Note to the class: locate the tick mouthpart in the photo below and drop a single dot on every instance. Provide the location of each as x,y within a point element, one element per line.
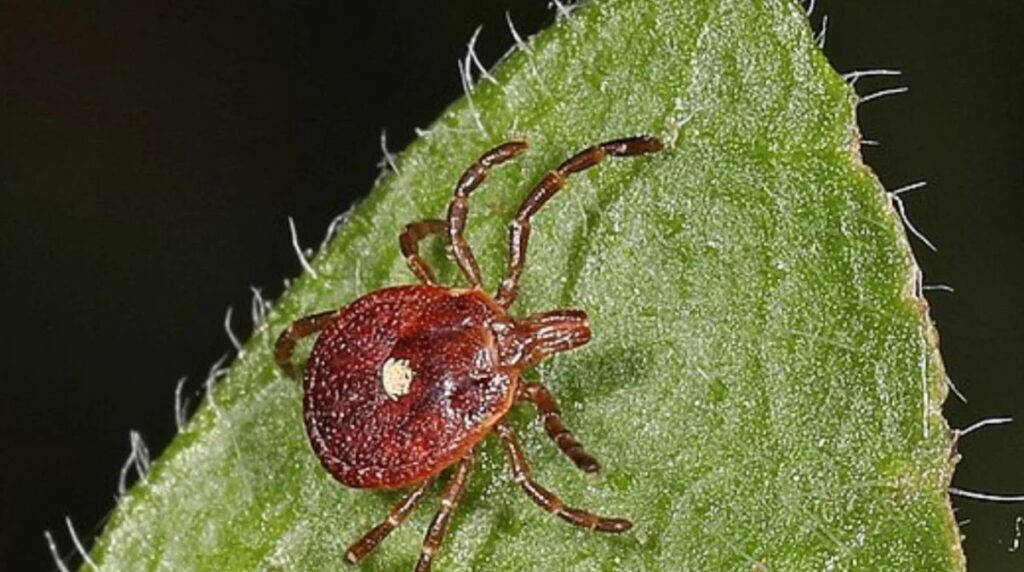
<point>564,330</point>
<point>542,335</point>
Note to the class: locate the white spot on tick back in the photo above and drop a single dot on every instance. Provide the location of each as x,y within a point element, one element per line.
<point>396,377</point>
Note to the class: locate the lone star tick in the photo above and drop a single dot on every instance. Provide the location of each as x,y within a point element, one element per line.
<point>406,381</point>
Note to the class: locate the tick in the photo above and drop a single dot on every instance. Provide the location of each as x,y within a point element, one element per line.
<point>404,382</point>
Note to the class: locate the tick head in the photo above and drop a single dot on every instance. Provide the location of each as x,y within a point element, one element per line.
<point>531,340</point>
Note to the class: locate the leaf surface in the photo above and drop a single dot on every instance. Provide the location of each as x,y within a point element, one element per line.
<point>763,387</point>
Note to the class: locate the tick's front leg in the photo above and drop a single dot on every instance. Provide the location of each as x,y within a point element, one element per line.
<point>546,499</point>
<point>555,427</point>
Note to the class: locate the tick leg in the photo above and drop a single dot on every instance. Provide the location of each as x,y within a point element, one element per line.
<point>396,516</point>
<point>409,241</point>
<point>292,334</point>
<point>546,499</point>
<point>554,181</point>
<point>458,208</point>
<point>449,501</point>
<point>552,416</point>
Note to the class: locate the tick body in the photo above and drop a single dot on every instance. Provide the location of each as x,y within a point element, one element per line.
<point>404,382</point>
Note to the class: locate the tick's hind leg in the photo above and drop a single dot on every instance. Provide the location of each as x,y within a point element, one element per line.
<point>292,334</point>
<point>409,241</point>
<point>396,516</point>
<point>449,501</point>
<point>458,208</point>
<point>519,230</point>
<point>546,499</point>
<point>552,417</point>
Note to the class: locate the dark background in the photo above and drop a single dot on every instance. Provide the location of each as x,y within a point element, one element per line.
<point>151,155</point>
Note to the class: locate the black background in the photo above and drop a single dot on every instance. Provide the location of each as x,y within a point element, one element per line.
<point>152,154</point>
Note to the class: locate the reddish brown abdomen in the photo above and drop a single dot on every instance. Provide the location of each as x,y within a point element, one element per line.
<point>367,435</point>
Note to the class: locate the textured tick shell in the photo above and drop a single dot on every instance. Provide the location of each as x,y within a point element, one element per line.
<point>368,438</point>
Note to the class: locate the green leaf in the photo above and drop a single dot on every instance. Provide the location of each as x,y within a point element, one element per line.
<point>763,386</point>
